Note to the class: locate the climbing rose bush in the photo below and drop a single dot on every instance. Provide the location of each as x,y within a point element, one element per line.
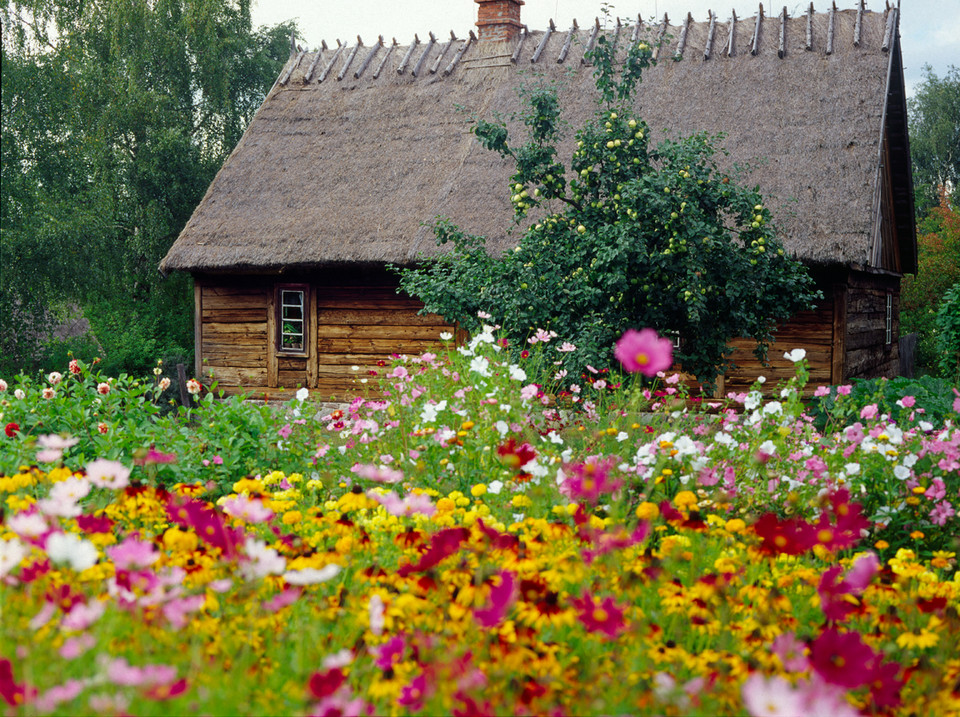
<point>454,541</point>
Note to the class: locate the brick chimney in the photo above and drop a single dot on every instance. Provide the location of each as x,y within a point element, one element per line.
<point>498,20</point>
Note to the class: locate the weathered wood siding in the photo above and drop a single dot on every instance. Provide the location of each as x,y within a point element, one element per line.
<point>867,352</point>
<point>233,333</point>
<point>353,327</point>
<point>810,330</point>
<point>361,326</point>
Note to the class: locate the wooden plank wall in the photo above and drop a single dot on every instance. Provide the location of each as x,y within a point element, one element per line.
<point>810,330</point>
<point>867,353</point>
<point>358,323</point>
<point>361,326</point>
<point>233,334</point>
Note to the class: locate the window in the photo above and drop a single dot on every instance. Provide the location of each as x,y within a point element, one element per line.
<point>292,327</point>
<point>889,324</point>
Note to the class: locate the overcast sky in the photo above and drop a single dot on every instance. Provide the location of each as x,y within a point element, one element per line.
<point>930,29</point>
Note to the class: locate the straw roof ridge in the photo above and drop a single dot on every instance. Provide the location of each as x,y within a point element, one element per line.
<point>357,148</point>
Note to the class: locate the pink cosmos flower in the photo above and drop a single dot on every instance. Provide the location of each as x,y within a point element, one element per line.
<point>822,391</point>
<point>378,474</point>
<point>869,411</point>
<point>389,652</point>
<point>590,481</point>
<point>942,512</point>
<point>252,510</point>
<point>123,674</point>
<point>502,596</point>
<point>51,699</point>
<point>772,697</point>
<point>83,615</point>
<point>566,347</point>
<point>376,611</point>
<point>153,456</point>
<point>104,473</point>
<point>790,650</point>
<point>133,553</point>
<point>282,599</point>
<point>413,695</point>
<point>844,390</point>
<point>176,610</point>
<point>644,352</point>
<point>73,647</point>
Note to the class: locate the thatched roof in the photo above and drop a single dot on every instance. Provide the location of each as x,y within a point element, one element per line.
<point>337,168</point>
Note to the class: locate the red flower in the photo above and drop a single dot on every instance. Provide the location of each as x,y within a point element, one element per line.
<point>14,694</point>
<point>167,692</point>
<point>93,524</point>
<point>323,684</point>
<point>442,545</point>
<point>842,658</point>
<point>515,456</point>
<point>502,596</point>
<point>790,536</point>
<point>11,429</point>
<point>605,617</point>
<point>839,527</point>
<point>207,523</point>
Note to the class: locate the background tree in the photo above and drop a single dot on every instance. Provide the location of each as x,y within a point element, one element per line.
<point>116,115</point>
<point>938,268</point>
<point>627,236</point>
<point>934,118</point>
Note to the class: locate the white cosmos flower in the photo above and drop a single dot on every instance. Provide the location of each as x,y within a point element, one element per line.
<point>495,487</point>
<point>303,394</point>
<point>795,355</point>
<point>480,365</point>
<point>752,400</point>
<point>11,553</point>
<point>445,336</point>
<point>517,373</point>
<point>311,576</point>
<point>70,549</point>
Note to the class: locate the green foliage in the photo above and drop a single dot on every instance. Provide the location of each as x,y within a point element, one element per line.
<point>934,116</point>
<point>626,235</point>
<point>116,114</point>
<point>938,268</point>
<point>948,340</point>
<point>933,401</point>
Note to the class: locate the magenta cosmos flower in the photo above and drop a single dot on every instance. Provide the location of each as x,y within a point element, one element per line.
<point>644,352</point>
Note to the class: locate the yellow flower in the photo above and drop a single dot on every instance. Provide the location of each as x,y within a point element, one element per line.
<point>917,535</point>
<point>248,485</point>
<point>292,517</point>
<point>920,639</point>
<point>478,490</point>
<point>881,545</point>
<point>521,501</point>
<point>735,525</point>
<point>647,511</point>
<point>445,505</point>
<point>685,499</point>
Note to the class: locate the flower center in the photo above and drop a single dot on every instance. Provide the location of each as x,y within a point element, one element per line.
<point>642,359</point>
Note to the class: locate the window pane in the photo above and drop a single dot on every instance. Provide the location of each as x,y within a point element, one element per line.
<point>292,298</point>
<point>292,312</point>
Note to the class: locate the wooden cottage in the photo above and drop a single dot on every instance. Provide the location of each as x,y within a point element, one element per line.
<point>357,147</point>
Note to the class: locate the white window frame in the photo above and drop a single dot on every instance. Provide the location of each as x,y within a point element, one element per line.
<point>283,321</point>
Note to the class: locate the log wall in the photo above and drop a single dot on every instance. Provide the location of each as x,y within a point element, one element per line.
<point>867,353</point>
<point>354,326</point>
<point>810,330</point>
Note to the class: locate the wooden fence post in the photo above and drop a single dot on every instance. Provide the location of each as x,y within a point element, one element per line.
<point>182,378</point>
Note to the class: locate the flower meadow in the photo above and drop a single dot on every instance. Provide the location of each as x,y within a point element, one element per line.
<point>477,533</point>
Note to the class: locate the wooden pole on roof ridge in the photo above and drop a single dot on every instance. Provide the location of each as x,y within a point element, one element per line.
<point>858,26</point>
<point>711,33</point>
<point>831,24</point>
<point>286,75</point>
<point>369,58</point>
<point>326,70</point>
<point>353,54</point>
<point>888,33</point>
<point>543,41</point>
<point>386,57</point>
<point>591,42</point>
<point>409,53</point>
<point>636,30</point>
<point>471,38</point>
<point>313,65</point>
<point>809,44</point>
<point>660,34</point>
<point>416,68</point>
<point>733,31</point>
<point>443,51</point>
<point>755,43</point>
<point>782,50</point>
<point>566,45</point>
<point>516,53</point>
<point>682,43</point>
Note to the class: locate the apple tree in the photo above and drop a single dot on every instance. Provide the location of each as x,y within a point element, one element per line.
<point>625,235</point>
